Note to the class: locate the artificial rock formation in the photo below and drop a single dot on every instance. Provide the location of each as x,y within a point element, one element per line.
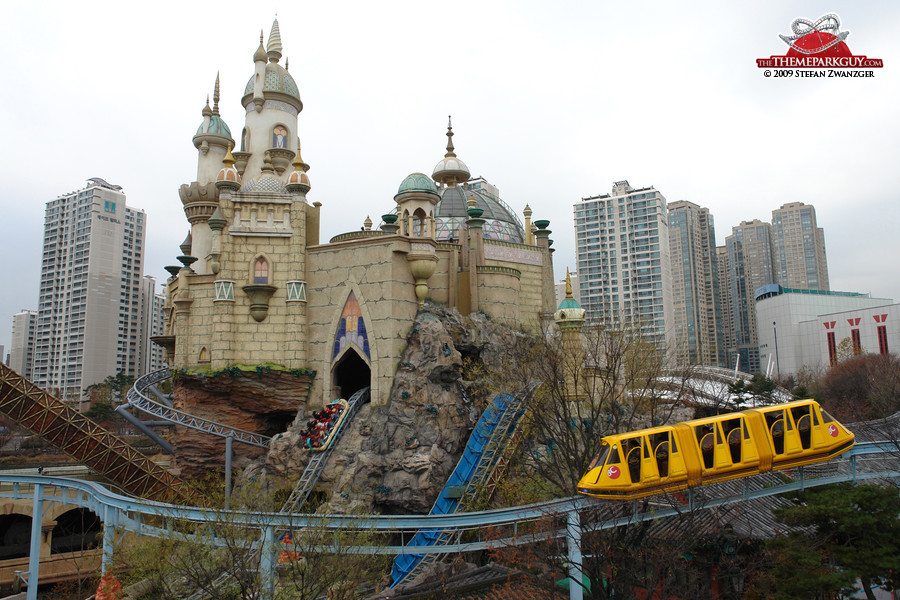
<point>264,401</point>
<point>396,458</point>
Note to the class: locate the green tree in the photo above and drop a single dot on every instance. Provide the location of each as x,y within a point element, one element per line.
<point>855,528</point>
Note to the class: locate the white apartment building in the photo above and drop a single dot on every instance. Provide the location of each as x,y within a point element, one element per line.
<point>624,270</point>
<point>88,322</point>
<point>21,354</point>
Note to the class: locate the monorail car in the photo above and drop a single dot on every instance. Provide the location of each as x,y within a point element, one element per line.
<point>674,457</point>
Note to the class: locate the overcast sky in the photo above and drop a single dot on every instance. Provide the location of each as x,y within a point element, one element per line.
<point>551,102</point>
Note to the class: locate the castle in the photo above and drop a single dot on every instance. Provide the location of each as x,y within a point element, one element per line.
<point>258,287</point>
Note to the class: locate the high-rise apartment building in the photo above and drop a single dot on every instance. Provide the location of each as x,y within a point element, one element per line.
<point>21,355</point>
<point>750,252</point>
<point>622,247</point>
<point>151,357</point>
<point>726,333</point>
<point>695,285</point>
<point>88,323</point>
<point>799,245</point>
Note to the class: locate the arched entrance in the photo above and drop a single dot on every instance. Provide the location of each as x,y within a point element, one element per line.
<point>76,530</point>
<point>350,374</point>
<point>15,535</point>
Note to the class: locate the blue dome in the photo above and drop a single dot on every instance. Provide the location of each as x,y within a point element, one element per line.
<point>417,182</point>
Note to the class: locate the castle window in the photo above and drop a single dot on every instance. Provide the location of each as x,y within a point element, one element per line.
<point>204,355</point>
<point>296,291</point>
<point>245,140</point>
<point>279,137</point>
<point>261,270</point>
<point>224,291</point>
<point>420,226</point>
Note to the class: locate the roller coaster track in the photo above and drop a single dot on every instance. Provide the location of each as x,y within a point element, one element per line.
<point>79,437</point>
<point>470,481</point>
<point>867,461</point>
<point>139,399</point>
<point>317,463</point>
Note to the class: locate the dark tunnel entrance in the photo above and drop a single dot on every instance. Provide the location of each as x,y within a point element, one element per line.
<point>351,375</point>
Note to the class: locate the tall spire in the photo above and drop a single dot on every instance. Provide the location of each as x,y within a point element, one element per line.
<point>273,49</point>
<point>568,285</point>
<point>215,109</point>
<point>450,170</point>
<point>450,148</point>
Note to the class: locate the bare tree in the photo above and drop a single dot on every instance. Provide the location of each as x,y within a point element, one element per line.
<point>607,381</point>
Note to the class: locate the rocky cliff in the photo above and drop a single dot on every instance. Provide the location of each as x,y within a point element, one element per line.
<point>396,458</point>
<point>260,400</point>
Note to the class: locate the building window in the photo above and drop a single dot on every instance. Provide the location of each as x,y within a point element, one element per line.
<point>261,270</point>
<point>296,291</point>
<point>204,355</point>
<point>882,339</point>
<point>832,349</point>
<point>857,345</point>
<point>279,137</point>
<point>224,291</point>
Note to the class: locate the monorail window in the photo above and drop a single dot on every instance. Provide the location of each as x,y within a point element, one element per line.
<point>600,460</point>
<point>613,456</point>
<point>826,418</point>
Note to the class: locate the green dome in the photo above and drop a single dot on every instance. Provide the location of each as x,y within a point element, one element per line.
<point>569,303</point>
<point>417,182</point>
<point>217,126</point>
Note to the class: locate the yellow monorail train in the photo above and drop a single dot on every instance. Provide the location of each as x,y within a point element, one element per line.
<point>674,457</point>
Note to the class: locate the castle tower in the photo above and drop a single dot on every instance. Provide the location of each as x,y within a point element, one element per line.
<point>199,198</point>
<point>570,319</point>
<point>272,103</point>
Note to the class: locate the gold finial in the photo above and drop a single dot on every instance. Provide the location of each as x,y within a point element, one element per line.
<point>450,151</point>
<point>527,211</point>
<point>568,285</point>
<point>287,64</point>
<point>298,163</point>
<point>229,158</point>
<point>471,201</point>
<point>367,224</point>
<point>215,96</point>
<point>207,111</point>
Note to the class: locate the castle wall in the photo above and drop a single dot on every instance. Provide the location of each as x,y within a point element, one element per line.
<point>377,272</point>
<point>225,326</point>
<point>529,261</point>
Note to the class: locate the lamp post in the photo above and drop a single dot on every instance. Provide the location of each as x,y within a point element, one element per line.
<point>777,366</point>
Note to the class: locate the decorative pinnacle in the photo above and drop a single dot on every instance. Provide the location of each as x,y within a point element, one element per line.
<point>260,54</point>
<point>569,285</point>
<point>229,158</point>
<point>207,111</point>
<point>450,151</point>
<point>298,163</point>
<point>287,64</point>
<point>274,47</point>
<point>215,96</point>
<point>527,211</point>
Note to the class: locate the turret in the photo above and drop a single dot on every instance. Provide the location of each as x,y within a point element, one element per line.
<point>272,103</point>
<point>200,198</point>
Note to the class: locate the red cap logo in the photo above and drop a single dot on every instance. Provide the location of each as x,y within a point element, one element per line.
<point>832,430</point>
<point>613,472</point>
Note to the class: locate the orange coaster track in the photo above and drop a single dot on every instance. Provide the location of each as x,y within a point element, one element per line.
<point>84,440</point>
